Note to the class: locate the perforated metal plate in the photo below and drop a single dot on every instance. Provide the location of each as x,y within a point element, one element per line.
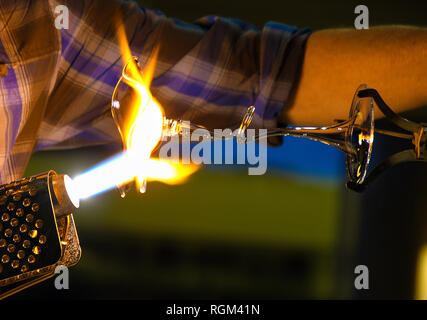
<point>29,238</point>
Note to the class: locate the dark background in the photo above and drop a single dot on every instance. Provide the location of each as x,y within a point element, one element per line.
<point>292,233</point>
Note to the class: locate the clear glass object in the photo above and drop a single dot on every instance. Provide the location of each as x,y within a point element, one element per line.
<point>359,137</point>
<point>354,136</point>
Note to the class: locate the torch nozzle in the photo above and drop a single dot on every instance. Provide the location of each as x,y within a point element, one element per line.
<point>65,201</point>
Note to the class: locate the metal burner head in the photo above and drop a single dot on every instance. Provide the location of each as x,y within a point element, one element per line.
<point>37,231</point>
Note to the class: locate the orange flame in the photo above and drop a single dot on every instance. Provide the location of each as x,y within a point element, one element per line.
<point>144,123</point>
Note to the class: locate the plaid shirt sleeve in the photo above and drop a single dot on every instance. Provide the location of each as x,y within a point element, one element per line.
<point>60,82</point>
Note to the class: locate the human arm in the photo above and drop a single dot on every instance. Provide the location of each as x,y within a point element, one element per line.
<point>391,59</point>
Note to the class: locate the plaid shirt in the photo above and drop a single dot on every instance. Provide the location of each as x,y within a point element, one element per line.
<point>56,85</point>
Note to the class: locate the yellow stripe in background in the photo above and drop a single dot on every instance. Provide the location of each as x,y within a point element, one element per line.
<point>421,276</point>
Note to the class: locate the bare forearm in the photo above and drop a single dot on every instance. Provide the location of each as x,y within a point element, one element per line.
<point>392,60</point>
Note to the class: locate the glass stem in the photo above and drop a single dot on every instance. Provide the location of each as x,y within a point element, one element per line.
<point>330,135</point>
